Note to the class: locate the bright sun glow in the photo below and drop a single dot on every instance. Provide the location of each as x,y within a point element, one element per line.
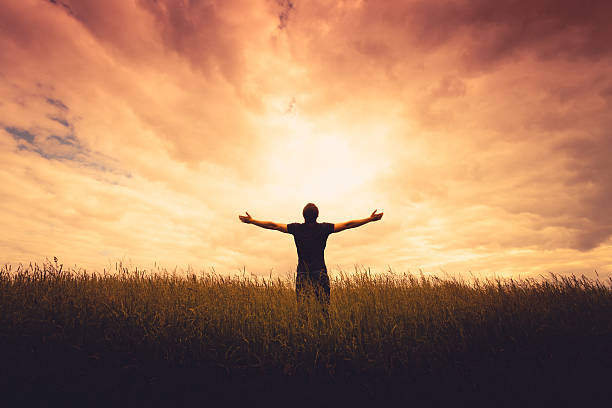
<point>316,167</point>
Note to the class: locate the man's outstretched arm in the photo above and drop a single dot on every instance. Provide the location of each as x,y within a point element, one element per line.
<point>247,219</point>
<point>357,223</point>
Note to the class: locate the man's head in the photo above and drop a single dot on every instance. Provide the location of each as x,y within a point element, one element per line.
<point>310,212</point>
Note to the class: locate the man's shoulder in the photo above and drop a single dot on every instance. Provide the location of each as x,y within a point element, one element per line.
<point>293,227</point>
<point>327,227</point>
<point>302,226</point>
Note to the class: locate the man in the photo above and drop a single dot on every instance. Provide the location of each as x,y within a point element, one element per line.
<point>310,240</point>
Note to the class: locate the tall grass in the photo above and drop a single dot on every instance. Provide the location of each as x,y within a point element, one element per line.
<point>400,336</point>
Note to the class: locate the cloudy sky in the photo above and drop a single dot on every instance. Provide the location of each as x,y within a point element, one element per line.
<point>138,130</point>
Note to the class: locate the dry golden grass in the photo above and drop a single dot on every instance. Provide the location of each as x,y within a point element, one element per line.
<point>402,336</point>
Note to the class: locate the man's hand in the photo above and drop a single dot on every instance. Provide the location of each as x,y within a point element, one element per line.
<point>376,217</point>
<point>357,223</point>
<point>247,219</point>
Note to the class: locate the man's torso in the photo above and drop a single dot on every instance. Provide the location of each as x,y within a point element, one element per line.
<point>310,240</point>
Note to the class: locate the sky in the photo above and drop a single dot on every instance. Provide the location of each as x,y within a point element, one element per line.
<point>137,131</point>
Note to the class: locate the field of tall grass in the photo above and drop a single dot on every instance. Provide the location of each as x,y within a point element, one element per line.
<point>172,339</point>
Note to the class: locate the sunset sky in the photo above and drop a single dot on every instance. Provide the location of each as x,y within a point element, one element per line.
<point>140,130</point>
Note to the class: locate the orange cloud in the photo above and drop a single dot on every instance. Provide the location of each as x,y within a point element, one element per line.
<point>139,130</point>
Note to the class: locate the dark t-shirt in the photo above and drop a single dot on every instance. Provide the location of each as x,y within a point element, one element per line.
<point>310,240</point>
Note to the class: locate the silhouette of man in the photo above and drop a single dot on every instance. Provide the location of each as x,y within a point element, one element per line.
<point>310,240</point>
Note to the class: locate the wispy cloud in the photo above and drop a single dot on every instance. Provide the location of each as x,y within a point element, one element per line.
<point>57,103</point>
<point>20,134</point>
<point>141,130</point>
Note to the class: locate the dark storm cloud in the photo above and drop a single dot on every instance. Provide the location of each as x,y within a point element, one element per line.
<point>61,121</point>
<point>65,148</point>
<point>478,34</point>
<point>57,103</point>
<point>20,134</point>
<point>203,31</point>
<point>198,31</point>
<point>590,168</point>
<point>52,147</point>
<point>63,5</point>
<point>283,17</point>
<point>498,29</point>
<point>69,141</point>
<point>449,87</point>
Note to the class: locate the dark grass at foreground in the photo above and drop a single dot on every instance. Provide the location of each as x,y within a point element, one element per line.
<point>163,339</point>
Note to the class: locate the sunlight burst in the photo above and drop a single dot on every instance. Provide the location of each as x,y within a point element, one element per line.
<point>311,167</point>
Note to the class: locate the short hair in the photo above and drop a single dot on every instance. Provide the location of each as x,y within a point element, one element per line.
<point>310,212</point>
